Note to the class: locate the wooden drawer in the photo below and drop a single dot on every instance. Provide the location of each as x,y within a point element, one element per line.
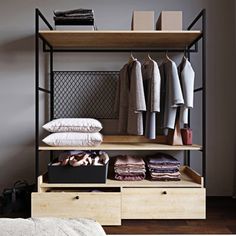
<point>103,207</point>
<point>163,203</point>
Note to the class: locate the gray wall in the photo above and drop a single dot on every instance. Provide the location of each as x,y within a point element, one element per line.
<point>17,78</point>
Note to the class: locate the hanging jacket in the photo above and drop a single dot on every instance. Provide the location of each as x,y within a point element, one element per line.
<point>152,88</point>
<point>130,100</point>
<point>187,77</point>
<point>173,94</point>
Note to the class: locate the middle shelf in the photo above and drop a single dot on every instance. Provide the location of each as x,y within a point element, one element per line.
<point>189,179</point>
<point>127,146</point>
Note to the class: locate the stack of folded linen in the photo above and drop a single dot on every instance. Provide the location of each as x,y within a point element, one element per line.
<point>73,132</point>
<point>78,19</point>
<point>129,168</point>
<point>163,167</point>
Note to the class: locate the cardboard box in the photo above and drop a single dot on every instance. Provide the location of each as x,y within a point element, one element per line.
<point>170,21</point>
<point>143,20</point>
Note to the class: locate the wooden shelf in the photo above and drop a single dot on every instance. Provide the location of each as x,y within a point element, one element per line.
<point>127,146</point>
<point>120,39</point>
<point>189,179</point>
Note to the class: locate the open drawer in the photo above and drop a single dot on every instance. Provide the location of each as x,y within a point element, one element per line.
<point>104,207</point>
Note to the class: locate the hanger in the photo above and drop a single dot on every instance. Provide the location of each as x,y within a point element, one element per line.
<point>147,58</point>
<point>185,53</point>
<point>131,58</point>
<point>166,56</point>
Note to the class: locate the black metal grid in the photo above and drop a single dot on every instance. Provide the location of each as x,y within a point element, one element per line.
<point>85,94</point>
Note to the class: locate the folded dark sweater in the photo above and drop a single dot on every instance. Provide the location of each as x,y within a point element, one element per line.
<point>162,159</point>
<point>165,179</point>
<point>72,21</point>
<point>156,170</point>
<point>72,12</point>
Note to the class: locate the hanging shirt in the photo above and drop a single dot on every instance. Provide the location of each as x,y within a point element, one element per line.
<point>152,87</point>
<point>173,94</point>
<point>130,100</point>
<point>187,77</point>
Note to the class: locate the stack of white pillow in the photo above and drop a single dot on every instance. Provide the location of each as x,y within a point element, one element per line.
<point>73,132</point>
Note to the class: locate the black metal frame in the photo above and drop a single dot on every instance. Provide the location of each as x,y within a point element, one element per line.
<point>49,49</point>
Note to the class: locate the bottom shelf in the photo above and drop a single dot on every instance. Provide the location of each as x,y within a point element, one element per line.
<point>189,179</point>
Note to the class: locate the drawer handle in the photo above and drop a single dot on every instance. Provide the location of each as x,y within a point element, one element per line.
<point>164,192</point>
<point>77,197</point>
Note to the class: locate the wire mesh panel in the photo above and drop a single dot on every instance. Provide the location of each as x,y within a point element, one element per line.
<point>85,94</point>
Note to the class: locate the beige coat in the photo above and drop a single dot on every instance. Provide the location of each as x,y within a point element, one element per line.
<point>130,100</point>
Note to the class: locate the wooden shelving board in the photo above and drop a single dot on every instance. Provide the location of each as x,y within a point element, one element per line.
<point>127,146</point>
<point>189,179</point>
<point>120,39</point>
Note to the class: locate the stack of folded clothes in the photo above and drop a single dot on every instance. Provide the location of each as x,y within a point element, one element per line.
<point>78,19</point>
<point>129,168</point>
<point>163,167</point>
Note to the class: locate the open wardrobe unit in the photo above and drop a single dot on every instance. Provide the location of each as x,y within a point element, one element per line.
<point>116,200</point>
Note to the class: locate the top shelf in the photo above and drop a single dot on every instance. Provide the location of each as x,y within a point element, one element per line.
<point>120,39</point>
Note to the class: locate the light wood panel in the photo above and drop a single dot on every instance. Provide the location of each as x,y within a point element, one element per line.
<point>120,39</point>
<point>133,139</point>
<point>127,146</point>
<point>103,207</point>
<point>163,203</point>
<point>189,179</point>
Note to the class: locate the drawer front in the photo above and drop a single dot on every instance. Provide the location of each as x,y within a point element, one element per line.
<point>163,203</point>
<point>102,207</point>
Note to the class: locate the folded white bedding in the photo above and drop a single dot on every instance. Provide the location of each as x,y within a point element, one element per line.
<point>50,227</point>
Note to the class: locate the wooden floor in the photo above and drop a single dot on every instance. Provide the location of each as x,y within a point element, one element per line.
<point>221,219</point>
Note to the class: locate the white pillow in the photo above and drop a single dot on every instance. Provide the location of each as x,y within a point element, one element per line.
<point>73,139</point>
<point>83,125</point>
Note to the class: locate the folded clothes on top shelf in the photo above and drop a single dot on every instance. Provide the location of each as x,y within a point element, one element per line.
<point>74,17</point>
<point>73,21</point>
<point>79,11</point>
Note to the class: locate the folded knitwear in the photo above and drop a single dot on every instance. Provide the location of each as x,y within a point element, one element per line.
<point>129,168</point>
<point>157,170</point>
<point>73,21</point>
<point>163,167</point>
<point>129,177</point>
<point>165,179</point>
<point>162,159</point>
<point>79,11</point>
<point>177,174</point>
<point>127,160</point>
